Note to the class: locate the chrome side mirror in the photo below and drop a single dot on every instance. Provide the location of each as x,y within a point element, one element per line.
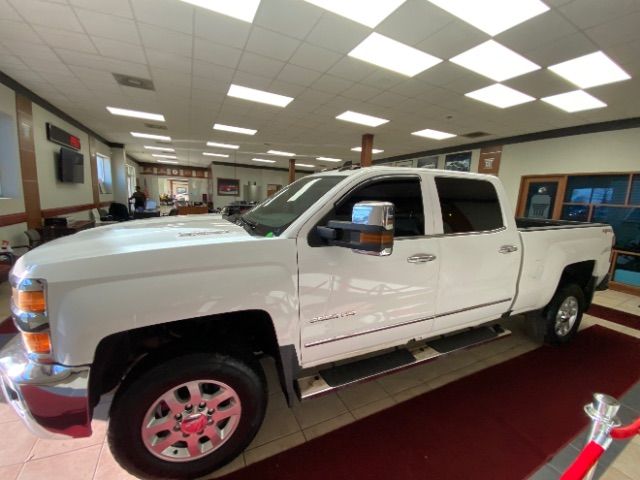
<point>370,231</point>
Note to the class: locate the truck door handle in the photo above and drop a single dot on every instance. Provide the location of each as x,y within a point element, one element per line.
<point>508,249</point>
<point>421,258</point>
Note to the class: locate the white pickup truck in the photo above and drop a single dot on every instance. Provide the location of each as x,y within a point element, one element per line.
<point>376,269</point>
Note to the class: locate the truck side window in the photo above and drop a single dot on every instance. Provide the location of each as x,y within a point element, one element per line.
<point>404,193</point>
<point>468,205</point>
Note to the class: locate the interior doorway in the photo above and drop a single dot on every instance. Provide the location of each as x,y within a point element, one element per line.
<point>541,197</point>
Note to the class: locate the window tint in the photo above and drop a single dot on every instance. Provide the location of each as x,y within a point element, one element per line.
<point>404,193</point>
<point>468,205</point>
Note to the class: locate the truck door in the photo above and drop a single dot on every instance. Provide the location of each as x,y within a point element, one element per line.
<point>479,253</point>
<point>352,303</point>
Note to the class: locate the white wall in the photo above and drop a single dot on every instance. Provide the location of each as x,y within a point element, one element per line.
<point>615,151</point>
<point>10,174</point>
<point>246,175</point>
<point>53,193</point>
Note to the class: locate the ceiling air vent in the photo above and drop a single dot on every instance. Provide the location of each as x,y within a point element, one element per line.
<point>157,127</point>
<point>475,134</point>
<point>135,82</point>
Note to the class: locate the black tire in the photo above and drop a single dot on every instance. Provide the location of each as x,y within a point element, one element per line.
<point>557,331</point>
<point>136,396</point>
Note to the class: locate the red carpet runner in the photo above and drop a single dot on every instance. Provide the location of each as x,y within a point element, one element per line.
<point>498,424</point>
<point>616,316</point>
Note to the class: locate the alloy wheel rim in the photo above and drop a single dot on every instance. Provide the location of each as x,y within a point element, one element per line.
<point>191,420</point>
<point>566,316</point>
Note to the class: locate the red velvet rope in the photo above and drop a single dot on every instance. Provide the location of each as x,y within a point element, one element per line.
<point>581,465</point>
<point>626,431</point>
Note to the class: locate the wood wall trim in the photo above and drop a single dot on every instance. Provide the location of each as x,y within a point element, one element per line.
<point>13,219</point>
<point>28,166</point>
<point>93,159</point>
<point>56,212</point>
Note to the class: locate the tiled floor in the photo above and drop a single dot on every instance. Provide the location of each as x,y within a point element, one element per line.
<point>22,456</point>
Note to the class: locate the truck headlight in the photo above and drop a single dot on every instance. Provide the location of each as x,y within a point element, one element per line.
<point>29,309</point>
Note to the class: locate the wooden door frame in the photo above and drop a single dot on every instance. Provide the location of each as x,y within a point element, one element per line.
<point>524,189</point>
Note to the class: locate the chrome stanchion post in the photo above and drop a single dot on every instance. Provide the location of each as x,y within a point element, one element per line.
<point>602,412</point>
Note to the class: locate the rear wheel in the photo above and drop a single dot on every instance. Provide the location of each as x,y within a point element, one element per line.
<point>187,416</point>
<point>563,314</point>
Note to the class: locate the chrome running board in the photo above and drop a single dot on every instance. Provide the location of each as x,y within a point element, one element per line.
<point>330,379</point>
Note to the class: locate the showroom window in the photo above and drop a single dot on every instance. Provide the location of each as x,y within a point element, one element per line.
<point>612,198</point>
<point>104,173</point>
<point>468,205</point>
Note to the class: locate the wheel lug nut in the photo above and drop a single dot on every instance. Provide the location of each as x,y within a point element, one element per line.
<point>189,407</point>
<point>177,427</point>
<point>178,416</point>
<point>210,411</point>
<point>202,405</point>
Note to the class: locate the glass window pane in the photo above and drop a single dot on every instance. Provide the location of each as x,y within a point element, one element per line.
<point>627,270</point>
<point>625,223</point>
<point>541,199</point>
<point>635,191</point>
<point>597,189</point>
<point>575,213</point>
<point>468,205</point>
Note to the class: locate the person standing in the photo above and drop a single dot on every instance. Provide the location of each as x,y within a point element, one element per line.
<point>139,200</point>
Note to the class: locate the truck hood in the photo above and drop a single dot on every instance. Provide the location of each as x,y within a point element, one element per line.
<point>137,236</point>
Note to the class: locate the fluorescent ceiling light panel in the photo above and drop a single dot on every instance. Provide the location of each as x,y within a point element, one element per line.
<point>123,112</point>
<point>500,96</point>
<point>223,145</point>
<point>493,16</point>
<point>367,12</point>
<point>162,149</point>
<point>373,150</point>
<point>209,154</point>
<point>434,134</point>
<point>230,128</point>
<point>495,61</point>
<point>171,162</point>
<point>244,10</point>
<point>260,96</point>
<point>151,136</point>
<point>398,57</point>
<point>282,154</point>
<point>575,101</point>
<point>161,155</point>
<point>305,165</point>
<point>263,160</point>
<point>590,70</point>
<point>361,118</point>
<point>329,159</point>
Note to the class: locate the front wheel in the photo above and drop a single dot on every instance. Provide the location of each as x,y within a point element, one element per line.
<point>187,416</point>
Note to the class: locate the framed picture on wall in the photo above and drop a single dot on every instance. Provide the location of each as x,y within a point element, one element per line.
<point>229,186</point>
<point>428,162</point>
<point>460,162</point>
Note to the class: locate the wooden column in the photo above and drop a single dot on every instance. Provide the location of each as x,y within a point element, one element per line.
<point>292,170</point>
<point>93,148</point>
<point>367,147</point>
<point>28,167</point>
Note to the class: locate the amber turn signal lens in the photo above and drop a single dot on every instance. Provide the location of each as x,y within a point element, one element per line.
<point>37,342</point>
<point>383,239</point>
<point>30,301</point>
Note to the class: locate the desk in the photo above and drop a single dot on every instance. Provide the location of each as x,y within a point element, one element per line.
<point>56,231</point>
<point>191,209</point>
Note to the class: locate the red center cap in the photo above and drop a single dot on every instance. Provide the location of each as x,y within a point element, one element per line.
<point>194,424</point>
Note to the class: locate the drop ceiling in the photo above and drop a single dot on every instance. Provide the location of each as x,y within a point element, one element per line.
<point>67,50</point>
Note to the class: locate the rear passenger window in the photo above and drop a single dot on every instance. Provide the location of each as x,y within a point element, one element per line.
<point>468,205</point>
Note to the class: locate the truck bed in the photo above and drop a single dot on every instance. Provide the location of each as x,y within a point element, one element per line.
<point>529,224</point>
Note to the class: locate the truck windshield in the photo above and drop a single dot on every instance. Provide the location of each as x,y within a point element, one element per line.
<point>276,213</point>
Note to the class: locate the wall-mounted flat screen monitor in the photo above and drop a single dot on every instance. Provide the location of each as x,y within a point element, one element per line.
<point>70,166</point>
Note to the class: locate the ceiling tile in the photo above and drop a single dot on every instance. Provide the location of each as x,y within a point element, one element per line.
<point>565,48</point>
<point>221,29</point>
<point>456,38</point>
<point>271,44</point>
<point>169,14</point>
<point>619,30</point>
<point>387,99</point>
<point>119,8</point>
<point>260,65</point>
<point>336,33</point>
<point>414,21</point>
<point>383,79</point>
<point>541,83</point>
<point>361,92</point>
<point>536,32</point>
<point>169,61</point>
<point>290,17</point>
<point>166,40</point>
<point>331,84</point>
<point>352,69</point>
<point>17,31</point>
<point>216,53</point>
<point>589,13</point>
<point>121,50</point>
<point>108,26</point>
<point>7,12</point>
<point>29,50</point>
<point>53,15</point>
<point>298,75</point>
<point>314,57</point>
<point>68,40</point>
